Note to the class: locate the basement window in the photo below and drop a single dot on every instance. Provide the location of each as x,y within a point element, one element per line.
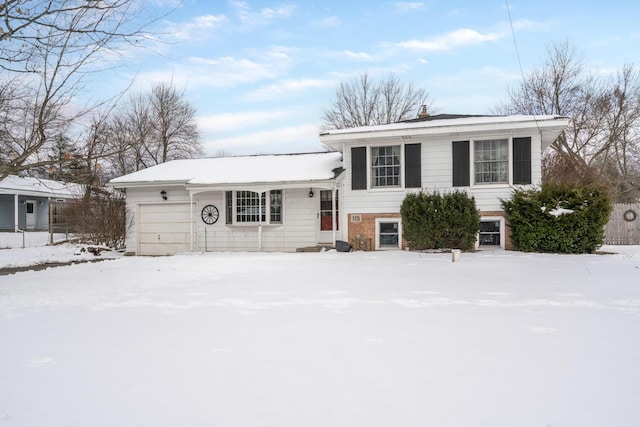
<point>388,233</point>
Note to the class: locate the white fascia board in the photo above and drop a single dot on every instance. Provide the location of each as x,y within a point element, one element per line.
<point>30,193</point>
<point>145,184</point>
<point>199,188</point>
<point>367,134</point>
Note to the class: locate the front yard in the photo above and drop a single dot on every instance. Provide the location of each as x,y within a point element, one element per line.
<point>324,339</point>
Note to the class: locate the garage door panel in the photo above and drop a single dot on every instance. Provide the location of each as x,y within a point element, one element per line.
<point>165,217</point>
<point>160,227</point>
<point>164,229</point>
<point>164,238</point>
<point>163,249</point>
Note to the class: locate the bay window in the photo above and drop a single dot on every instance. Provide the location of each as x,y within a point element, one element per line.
<point>250,207</point>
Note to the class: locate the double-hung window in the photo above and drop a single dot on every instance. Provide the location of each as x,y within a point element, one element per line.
<point>388,166</point>
<point>385,166</point>
<point>247,207</point>
<point>491,161</point>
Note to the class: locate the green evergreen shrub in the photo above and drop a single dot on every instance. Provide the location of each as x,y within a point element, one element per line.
<point>434,221</point>
<point>558,219</point>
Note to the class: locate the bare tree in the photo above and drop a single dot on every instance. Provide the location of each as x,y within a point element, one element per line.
<point>30,29</point>
<point>602,138</point>
<point>50,47</point>
<point>154,127</point>
<point>363,102</point>
<point>174,128</point>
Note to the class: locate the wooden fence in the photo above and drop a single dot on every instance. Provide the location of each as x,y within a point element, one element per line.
<point>623,227</point>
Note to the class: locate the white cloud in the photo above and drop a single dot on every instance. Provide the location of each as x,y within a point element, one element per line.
<point>288,87</point>
<point>403,6</point>
<point>328,22</point>
<point>196,27</point>
<point>349,54</point>
<point>250,16</point>
<point>448,41</point>
<point>301,138</point>
<point>228,122</point>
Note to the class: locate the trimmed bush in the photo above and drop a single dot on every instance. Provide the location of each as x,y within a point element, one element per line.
<point>557,219</point>
<point>433,221</point>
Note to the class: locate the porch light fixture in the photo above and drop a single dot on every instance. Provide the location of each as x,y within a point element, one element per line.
<point>163,194</point>
<point>311,192</point>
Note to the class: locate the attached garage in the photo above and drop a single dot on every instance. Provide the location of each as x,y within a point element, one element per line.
<point>257,203</point>
<point>163,229</point>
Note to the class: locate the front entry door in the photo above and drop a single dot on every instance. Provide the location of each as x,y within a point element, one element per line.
<point>325,233</point>
<point>32,215</point>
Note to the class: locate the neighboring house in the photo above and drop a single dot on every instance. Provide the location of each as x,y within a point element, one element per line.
<point>292,201</point>
<point>24,201</point>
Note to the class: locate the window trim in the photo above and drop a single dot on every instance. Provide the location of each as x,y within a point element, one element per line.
<point>500,219</point>
<point>511,163</point>
<point>472,163</point>
<point>377,235</point>
<point>370,167</point>
<point>233,221</point>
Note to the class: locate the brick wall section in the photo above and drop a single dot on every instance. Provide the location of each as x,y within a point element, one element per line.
<point>362,235</point>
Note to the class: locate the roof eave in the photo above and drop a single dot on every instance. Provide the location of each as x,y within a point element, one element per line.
<point>335,140</point>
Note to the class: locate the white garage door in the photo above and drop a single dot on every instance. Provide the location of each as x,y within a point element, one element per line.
<point>163,229</point>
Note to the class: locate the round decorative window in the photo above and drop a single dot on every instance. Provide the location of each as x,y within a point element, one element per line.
<point>209,214</point>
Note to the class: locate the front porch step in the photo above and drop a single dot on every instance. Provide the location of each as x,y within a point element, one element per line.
<point>316,248</point>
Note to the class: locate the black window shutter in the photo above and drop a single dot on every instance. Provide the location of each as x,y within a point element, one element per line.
<point>460,163</point>
<point>413,167</point>
<point>358,168</point>
<point>522,160</point>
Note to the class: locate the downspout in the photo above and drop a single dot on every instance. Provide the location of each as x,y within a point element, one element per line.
<point>191,220</point>
<point>334,219</point>
<point>50,220</point>
<point>15,213</point>
<point>260,221</point>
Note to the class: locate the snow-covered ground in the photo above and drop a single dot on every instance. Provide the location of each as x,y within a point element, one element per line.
<point>324,339</point>
<point>28,239</point>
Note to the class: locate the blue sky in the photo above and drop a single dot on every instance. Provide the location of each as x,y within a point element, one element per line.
<point>260,72</point>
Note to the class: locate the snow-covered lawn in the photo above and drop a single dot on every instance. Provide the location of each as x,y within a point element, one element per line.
<point>28,239</point>
<point>324,339</point>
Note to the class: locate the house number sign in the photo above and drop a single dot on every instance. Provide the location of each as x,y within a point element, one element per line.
<point>356,218</point>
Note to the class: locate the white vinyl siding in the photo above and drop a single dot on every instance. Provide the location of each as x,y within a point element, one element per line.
<point>437,171</point>
<point>296,229</point>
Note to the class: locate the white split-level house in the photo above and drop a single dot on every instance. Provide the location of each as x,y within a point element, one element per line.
<point>352,193</point>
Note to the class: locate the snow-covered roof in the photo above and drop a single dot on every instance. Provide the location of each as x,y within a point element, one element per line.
<point>29,186</point>
<point>238,170</point>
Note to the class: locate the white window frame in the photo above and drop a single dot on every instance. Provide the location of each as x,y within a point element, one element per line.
<point>377,239</point>
<point>502,231</point>
<point>472,165</point>
<point>370,177</point>
<point>267,209</point>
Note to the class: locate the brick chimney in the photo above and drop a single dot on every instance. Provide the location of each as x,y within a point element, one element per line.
<point>423,112</point>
